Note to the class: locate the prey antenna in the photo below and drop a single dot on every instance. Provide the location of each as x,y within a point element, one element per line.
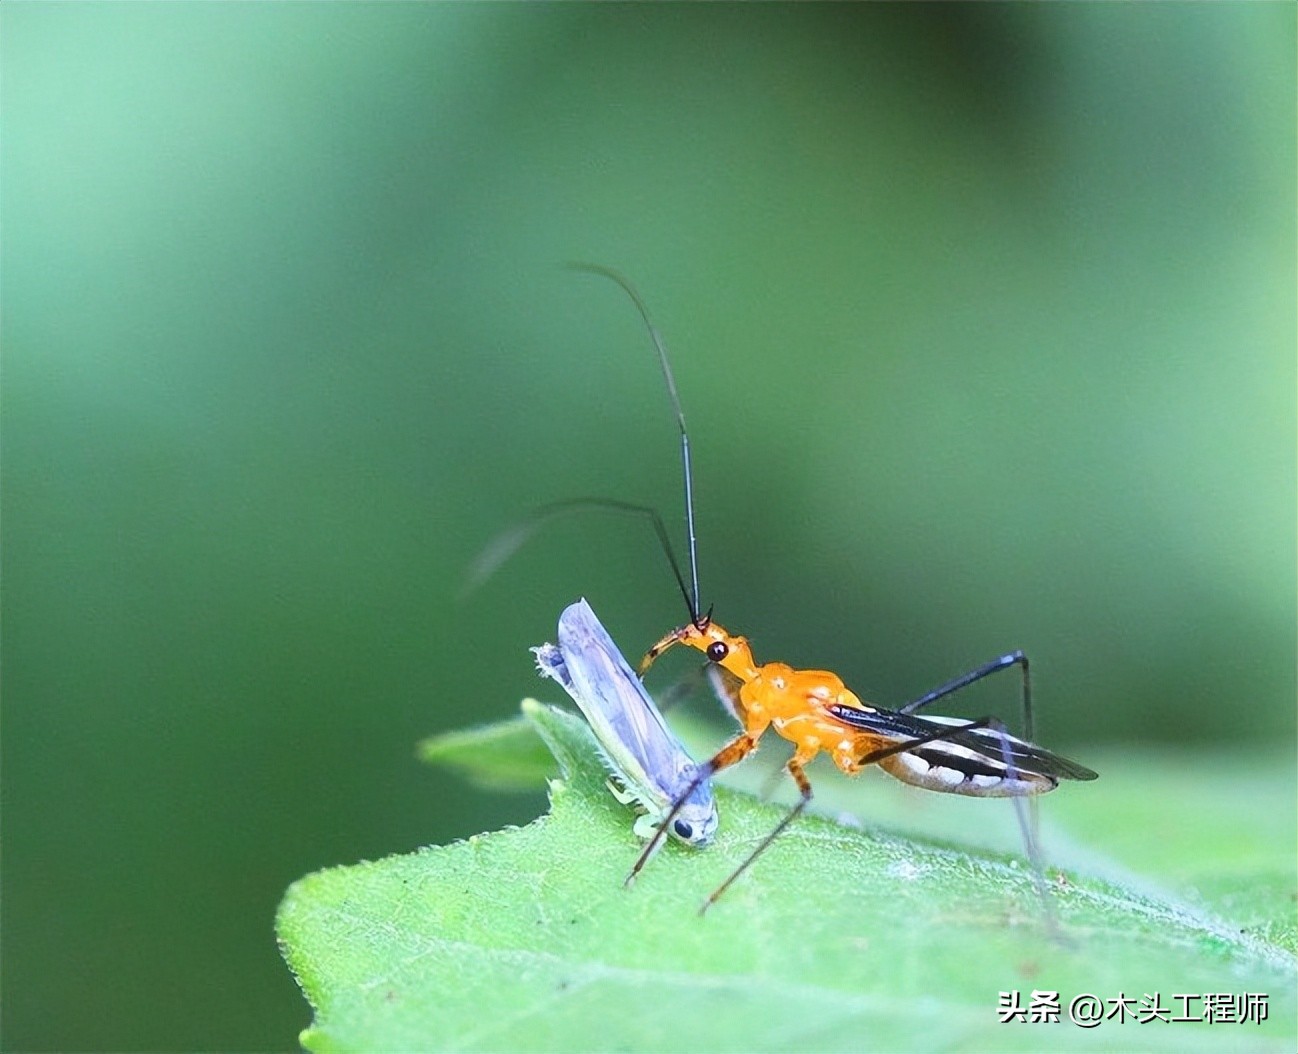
<point>692,602</point>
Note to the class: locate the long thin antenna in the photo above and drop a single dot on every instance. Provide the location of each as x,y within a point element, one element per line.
<point>509,541</point>
<point>686,464</point>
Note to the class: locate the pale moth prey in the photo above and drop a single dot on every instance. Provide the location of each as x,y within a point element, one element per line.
<point>648,766</point>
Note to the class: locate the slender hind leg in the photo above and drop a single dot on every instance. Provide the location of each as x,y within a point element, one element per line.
<point>1030,823</point>
<point>794,768</point>
<point>1027,828</point>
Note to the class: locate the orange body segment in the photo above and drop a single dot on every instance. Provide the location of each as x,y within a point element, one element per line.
<point>795,703</point>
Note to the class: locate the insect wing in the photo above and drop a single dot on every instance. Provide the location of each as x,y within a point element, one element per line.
<point>626,764</point>
<point>631,731</point>
<point>619,708</point>
<point>984,743</point>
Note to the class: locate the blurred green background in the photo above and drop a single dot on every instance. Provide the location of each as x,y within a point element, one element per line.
<point>983,318</point>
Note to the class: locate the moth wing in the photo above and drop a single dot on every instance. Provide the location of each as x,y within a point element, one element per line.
<point>620,711</point>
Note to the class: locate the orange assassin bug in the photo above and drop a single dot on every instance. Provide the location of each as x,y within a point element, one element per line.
<point>815,711</point>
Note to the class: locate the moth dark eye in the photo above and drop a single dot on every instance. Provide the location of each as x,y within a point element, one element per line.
<point>684,829</point>
<point>717,651</point>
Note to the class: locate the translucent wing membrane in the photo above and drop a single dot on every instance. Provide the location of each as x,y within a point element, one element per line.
<point>651,765</point>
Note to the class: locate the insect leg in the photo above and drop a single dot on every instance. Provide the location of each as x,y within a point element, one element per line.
<point>1004,662</point>
<point>732,753</point>
<point>1026,829</point>
<point>723,684</point>
<point>680,690</point>
<point>794,768</point>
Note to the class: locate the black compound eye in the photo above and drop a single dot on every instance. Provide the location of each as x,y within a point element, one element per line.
<point>717,651</point>
<point>684,829</point>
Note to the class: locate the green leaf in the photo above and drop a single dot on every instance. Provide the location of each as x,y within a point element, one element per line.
<point>505,756</point>
<point>839,938</point>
